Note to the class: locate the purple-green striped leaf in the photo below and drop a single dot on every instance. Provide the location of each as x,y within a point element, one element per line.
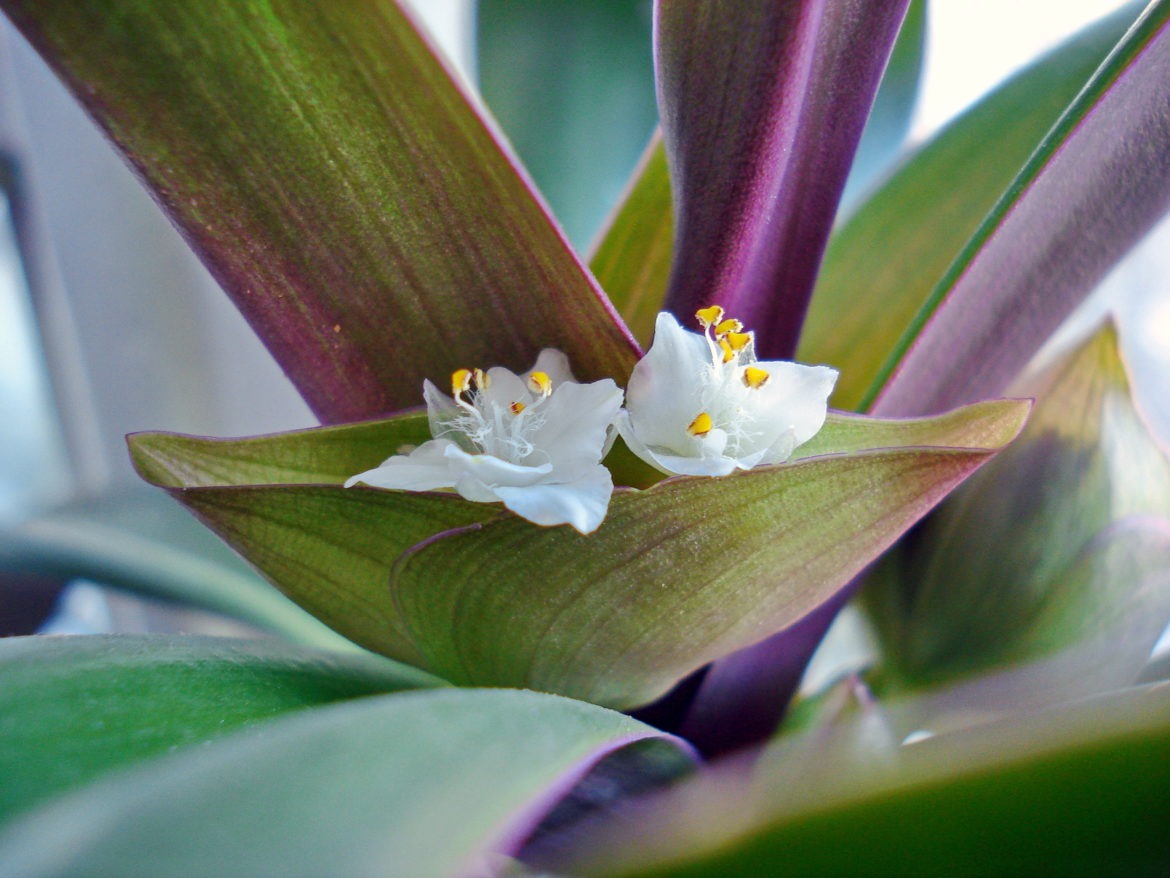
<point>342,189</point>
<point>762,105</point>
<point>1094,186</point>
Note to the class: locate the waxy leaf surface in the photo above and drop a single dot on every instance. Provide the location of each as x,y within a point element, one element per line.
<point>1060,545</point>
<point>1090,191</point>
<point>882,264</point>
<point>73,708</point>
<point>679,574</point>
<point>762,105</point>
<point>1076,791</point>
<point>341,188</point>
<point>441,783</point>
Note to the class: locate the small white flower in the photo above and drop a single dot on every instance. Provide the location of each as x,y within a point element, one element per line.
<point>533,441</point>
<point>701,405</point>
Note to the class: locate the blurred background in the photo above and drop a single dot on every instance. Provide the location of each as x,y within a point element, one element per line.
<point>108,324</point>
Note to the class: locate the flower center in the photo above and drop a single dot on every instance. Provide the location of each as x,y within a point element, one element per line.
<point>729,381</point>
<point>496,425</point>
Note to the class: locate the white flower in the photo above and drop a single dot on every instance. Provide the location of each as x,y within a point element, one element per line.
<point>534,442</point>
<point>701,405</point>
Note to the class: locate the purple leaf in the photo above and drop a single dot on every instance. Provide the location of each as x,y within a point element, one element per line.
<point>340,187</point>
<point>1093,187</point>
<point>762,105</point>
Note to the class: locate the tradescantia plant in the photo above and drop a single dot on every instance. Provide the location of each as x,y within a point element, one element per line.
<point>527,562</point>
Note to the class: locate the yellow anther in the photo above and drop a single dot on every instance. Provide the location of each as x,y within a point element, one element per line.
<point>755,377</point>
<point>729,325</point>
<point>482,381</point>
<point>701,425</point>
<point>516,407</point>
<point>540,383</point>
<point>728,351</point>
<point>461,381</point>
<point>737,341</point>
<point>709,316</point>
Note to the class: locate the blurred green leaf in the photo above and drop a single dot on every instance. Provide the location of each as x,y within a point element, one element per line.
<point>572,85</point>
<point>679,574</point>
<point>1049,547</point>
<point>142,542</point>
<point>893,107</point>
<point>882,265</point>
<point>632,259</point>
<point>1081,791</point>
<point>412,785</point>
<point>339,185</point>
<point>72,708</point>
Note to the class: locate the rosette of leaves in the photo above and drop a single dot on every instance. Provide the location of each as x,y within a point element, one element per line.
<point>366,219</point>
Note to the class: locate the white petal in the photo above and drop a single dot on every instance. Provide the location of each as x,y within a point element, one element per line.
<point>664,394</point>
<point>577,418</point>
<point>554,364</point>
<point>505,388</point>
<point>492,472</point>
<point>582,503</point>
<point>793,405</point>
<point>424,469</point>
<point>441,411</point>
<point>707,459</point>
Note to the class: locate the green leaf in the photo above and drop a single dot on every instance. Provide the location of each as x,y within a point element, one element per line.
<point>1079,791</point>
<point>141,542</point>
<point>339,185</point>
<point>413,785</point>
<point>572,85</point>
<point>73,708</point>
<point>633,256</point>
<point>679,574</point>
<point>1050,547</point>
<point>333,549</point>
<point>882,265</point>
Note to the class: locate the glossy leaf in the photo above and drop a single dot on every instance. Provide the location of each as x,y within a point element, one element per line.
<point>74,708</point>
<point>678,575</point>
<point>572,85</point>
<point>882,264</point>
<point>142,542</point>
<point>1093,188</point>
<point>341,188</point>
<point>1078,791</point>
<point>1047,548</point>
<point>412,785</point>
<point>633,255</point>
<point>762,105</point>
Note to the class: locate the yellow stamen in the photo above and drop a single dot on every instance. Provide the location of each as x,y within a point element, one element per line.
<point>728,351</point>
<point>482,381</point>
<point>729,325</point>
<point>539,382</point>
<point>516,407</point>
<point>737,341</point>
<point>709,316</point>
<point>461,381</point>
<point>755,377</point>
<point>701,425</point>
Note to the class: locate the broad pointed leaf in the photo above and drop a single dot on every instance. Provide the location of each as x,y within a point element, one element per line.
<point>1048,548</point>
<point>1077,791</point>
<point>678,575</point>
<point>633,256</point>
<point>1092,189</point>
<point>73,708</point>
<point>344,192</point>
<point>278,501</point>
<point>415,785</point>
<point>762,105</point>
<point>882,264</point>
